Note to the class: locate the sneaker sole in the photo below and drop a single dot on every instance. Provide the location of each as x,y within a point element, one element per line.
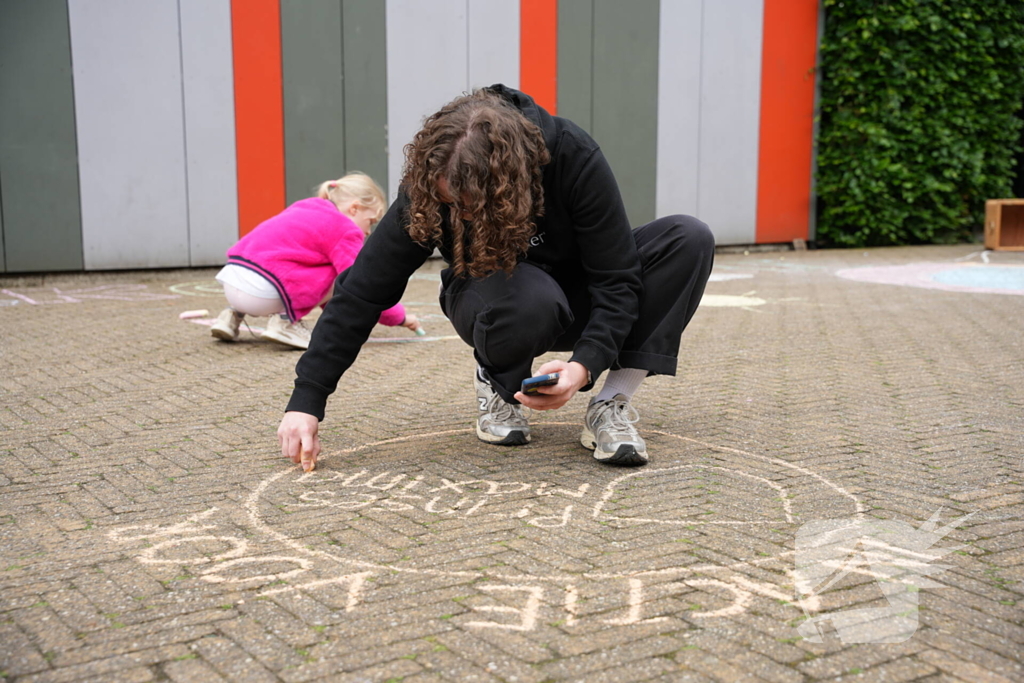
<point>624,456</point>
<point>513,438</point>
<point>284,340</point>
<point>222,334</point>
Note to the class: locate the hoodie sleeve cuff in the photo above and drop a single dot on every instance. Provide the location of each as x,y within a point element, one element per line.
<point>308,399</point>
<point>590,358</point>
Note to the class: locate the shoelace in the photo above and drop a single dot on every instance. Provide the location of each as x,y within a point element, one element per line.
<point>503,411</point>
<point>622,418</point>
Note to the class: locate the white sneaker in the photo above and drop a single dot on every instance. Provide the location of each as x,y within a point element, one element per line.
<point>287,333</point>
<point>608,431</point>
<point>499,423</point>
<point>226,327</point>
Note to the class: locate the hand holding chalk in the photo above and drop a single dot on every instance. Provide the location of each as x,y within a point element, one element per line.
<point>413,323</point>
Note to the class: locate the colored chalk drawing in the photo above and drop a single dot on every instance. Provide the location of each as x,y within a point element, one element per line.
<point>200,288</point>
<point>404,488</point>
<point>256,329</point>
<point>55,295</point>
<point>978,278</point>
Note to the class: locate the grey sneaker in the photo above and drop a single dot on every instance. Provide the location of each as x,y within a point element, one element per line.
<point>608,431</point>
<point>499,423</point>
<point>287,333</point>
<point>226,327</point>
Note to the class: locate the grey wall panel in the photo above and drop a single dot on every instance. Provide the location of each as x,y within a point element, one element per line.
<point>128,102</point>
<point>427,67</point>
<point>38,155</point>
<point>314,108</point>
<point>211,165</point>
<point>730,118</point>
<point>364,44</point>
<point>576,61</point>
<point>493,37</point>
<point>679,48</point>
<point>625,115</point>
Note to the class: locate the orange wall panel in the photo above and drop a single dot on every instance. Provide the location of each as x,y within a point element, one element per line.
<point>538,51</point>
<point>259,110</point>
<point>787,120</point>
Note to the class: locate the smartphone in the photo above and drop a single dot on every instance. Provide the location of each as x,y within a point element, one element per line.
<point>531,385</point>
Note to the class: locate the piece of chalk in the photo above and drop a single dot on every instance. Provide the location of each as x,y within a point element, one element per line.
<point>201,313</point>
<point>420,332</point>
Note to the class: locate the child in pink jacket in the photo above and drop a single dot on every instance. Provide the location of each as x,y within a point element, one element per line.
<point>287,265</point>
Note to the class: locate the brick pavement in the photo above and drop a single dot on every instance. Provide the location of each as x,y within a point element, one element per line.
<point>149,529</point>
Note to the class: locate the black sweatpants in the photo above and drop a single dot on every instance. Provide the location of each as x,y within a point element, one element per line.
<point>511,319</point>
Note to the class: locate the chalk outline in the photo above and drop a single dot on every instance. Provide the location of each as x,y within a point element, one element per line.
<point>609,491</point>
<point>255,518</point>
<point>208,322</point>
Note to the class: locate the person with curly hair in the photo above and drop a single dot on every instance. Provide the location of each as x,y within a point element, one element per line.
<point>526,213</point>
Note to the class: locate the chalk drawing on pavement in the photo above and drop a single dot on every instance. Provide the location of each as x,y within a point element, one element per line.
<point>978,278</point>
<point>55,295</point>
<point>200,288</point>
<point>414,490</point>
<point>256,330</point>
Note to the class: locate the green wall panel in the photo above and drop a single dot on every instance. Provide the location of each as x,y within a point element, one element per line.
<point>3,257</point>
<point>366,95</point>
<point>576,61</point>
<point>39,191</point>
<point>625,110</point>
<point>314,99</point>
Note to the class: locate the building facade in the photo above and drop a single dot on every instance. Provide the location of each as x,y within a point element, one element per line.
<point>153,134</point>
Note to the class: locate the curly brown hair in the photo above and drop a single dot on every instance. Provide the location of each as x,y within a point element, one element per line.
<point>482,158</point>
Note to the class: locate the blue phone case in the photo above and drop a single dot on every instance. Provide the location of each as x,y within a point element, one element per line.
<point>531,384</point>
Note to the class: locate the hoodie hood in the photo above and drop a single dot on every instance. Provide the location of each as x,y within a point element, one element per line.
<point>530,109</point>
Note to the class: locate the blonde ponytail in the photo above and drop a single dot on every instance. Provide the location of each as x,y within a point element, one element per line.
<point>355,185</point>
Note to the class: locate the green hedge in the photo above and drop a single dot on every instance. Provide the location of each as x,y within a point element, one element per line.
<point>918,117</point>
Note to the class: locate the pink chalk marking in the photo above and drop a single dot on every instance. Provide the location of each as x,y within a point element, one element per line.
<point>372,340</point>
<point>23,297</point>
<point>122,292</point>
<point>201,313</point>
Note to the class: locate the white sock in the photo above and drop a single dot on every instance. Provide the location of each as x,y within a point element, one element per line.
<point>624,381</point>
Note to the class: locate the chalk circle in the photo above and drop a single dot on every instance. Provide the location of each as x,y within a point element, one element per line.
<point>216,574</point>
<point>731,301</point>
<point>201,288</point>
<point>431,490</point>
<point>725,277</point>
<point>149,555</point>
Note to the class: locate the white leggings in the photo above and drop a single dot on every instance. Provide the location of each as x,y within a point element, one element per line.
<point>248,304</point>
<point>257,306</point>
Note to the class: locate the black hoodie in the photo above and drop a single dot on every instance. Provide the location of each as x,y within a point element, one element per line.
<point>583,236</point>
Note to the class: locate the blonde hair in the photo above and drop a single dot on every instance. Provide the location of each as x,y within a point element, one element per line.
<point>355,185</point>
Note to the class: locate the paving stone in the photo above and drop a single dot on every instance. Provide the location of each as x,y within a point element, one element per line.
<point>150,530</point>
<point>191,671</point>
<point>231,662</point>
<point>957,667</point>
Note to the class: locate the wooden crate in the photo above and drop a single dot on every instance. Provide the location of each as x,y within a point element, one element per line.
<point>1004,224</point>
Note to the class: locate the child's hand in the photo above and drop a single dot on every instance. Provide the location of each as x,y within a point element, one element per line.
<point>413,323</point>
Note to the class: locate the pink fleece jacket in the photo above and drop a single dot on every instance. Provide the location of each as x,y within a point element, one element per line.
<point>301,251</point>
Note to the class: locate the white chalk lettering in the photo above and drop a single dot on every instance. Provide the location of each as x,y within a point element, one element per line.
<point>527,614</point>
